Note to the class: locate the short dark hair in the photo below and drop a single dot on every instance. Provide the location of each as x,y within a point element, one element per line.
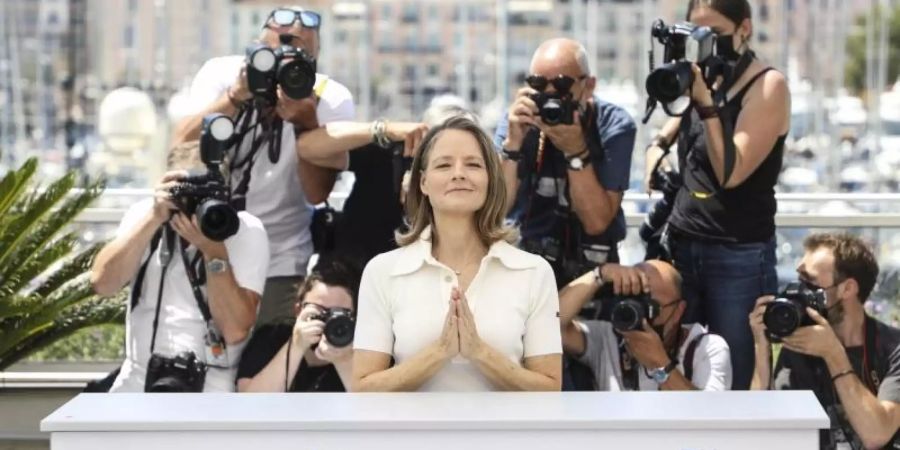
<point>336,271</point>
<point>853,258</point>
<point>735,10</point>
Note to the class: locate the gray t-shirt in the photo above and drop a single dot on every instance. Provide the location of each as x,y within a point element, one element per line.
<point>711,362</point>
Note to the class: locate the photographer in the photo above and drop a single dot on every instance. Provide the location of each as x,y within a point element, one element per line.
<point>722,226</point>
<point>175,340</point>
<point>849,359</point>
<point>315,349</point>
<point>628,351</point>
<point>567,158</point>
<point>268,177</point>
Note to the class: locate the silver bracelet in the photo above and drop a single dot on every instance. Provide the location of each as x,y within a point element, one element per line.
<point>379,133</point>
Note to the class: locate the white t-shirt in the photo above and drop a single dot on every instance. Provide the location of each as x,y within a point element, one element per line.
<point>181,325</point>
<point>711,365</point>
<point>275,195</point>
<point>404,298</point>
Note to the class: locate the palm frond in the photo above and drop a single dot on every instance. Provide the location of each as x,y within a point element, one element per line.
<point>91,313</point>
<point>14,183</point>
<point>40,232</point>
<point>18,277</point>
<point>23,228</point>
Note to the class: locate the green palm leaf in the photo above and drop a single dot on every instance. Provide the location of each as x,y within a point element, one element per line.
<point>44,292</point>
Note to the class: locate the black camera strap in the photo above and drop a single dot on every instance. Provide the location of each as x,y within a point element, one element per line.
<point>169,235</point>
<point>142,271</point>
<point>688,363</point>
<point>196,280</point>
<point>719,100</point>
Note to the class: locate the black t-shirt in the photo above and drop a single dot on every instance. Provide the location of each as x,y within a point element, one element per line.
<point>267,340</point>
<point>795,371</point>
<point>372,211</point>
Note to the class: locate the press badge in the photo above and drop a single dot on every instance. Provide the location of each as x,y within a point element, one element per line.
<point>216,351</point>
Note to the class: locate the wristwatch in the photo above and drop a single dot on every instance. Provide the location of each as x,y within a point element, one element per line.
<point>579,161</point>
<point>661,375</point>
<point>217,265</point>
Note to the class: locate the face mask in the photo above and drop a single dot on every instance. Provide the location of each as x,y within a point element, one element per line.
<point>725,48</point>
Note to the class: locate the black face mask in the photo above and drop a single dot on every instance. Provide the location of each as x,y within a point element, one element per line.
<point>725,48</point>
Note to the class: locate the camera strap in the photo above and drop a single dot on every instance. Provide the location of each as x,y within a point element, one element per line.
<point>169,235</point>
<point>142,271</point>
<point>688,363</point>
<point>719,100</point>
<point>196,280</point>
<point>871,366</point>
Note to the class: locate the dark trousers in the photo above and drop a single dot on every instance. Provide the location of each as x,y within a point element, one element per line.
<point>721,283</point>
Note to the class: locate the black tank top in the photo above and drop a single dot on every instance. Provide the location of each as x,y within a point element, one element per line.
<point>703,210</point>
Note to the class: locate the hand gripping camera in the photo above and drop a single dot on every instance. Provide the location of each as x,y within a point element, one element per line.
<point>684,43</point>
<point>339,326</point>
<point>788,312</point>
<point>206,195</point>
<point>286,66</point>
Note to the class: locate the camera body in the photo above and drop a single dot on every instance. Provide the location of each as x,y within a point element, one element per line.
<point>684,43</point>
<point>180,373</point>
<point>668,182</point>
<point>339,326</point>
<point>555,109</point>
<point>788,311</point>
<point>205,194</point>
<point>287,66</point>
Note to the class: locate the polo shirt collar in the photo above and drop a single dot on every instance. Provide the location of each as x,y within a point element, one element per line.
<point>415,255</point>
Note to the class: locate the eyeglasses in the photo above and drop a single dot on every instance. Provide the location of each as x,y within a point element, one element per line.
<point>562,83</point>
<point>287,17</point>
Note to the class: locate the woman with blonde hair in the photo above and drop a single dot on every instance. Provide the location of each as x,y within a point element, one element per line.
<point>457,307</point>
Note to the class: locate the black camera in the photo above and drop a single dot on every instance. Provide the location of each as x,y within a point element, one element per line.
<point>339,326</point>
<point>205,194</point>
<point>788,312</point>
<point>555,109</point>
<point>287,66</point>
<point>684,43</point>
<point>627,313</point>
<point>181,373</point>
<point>668,182</point>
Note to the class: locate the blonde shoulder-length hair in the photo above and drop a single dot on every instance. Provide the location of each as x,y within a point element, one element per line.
<point>489,218</point>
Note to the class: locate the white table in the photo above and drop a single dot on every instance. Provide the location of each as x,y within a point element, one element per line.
<point>458,421</point>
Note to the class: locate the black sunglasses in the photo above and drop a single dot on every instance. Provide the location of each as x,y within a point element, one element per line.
<point>287,17</point>
<point>562,83</point>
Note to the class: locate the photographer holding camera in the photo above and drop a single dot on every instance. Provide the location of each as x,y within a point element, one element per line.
<point>721,232</point>
<point>314,350</point>
<point>849,359</point>
<point>567,158</point>
<point>275,96</point>
<point>641,345</point>
<point>194,297</point>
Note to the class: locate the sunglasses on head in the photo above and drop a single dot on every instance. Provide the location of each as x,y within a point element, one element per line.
<point>562,83</point>
<point>287,17</point>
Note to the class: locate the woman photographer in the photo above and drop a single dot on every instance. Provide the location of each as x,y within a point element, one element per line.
<point>730,147</point>
<point>457,307</point>
<point>297,355</point>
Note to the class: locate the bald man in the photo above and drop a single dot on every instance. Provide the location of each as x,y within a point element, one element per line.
<point>566,178</point>
<point>664,355</point>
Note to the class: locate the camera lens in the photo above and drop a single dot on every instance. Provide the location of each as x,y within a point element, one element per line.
<point>296,79</point>
<point>782,317</point>
<point>670,81</point>
<point>218,220</point>
<point>339,331</point>
<point>552,112</point>
<point>627,315</point>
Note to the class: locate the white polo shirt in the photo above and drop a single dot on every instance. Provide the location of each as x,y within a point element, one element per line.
<point>181,324</point>
<point>404,298</point>
<point>275,195</point>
